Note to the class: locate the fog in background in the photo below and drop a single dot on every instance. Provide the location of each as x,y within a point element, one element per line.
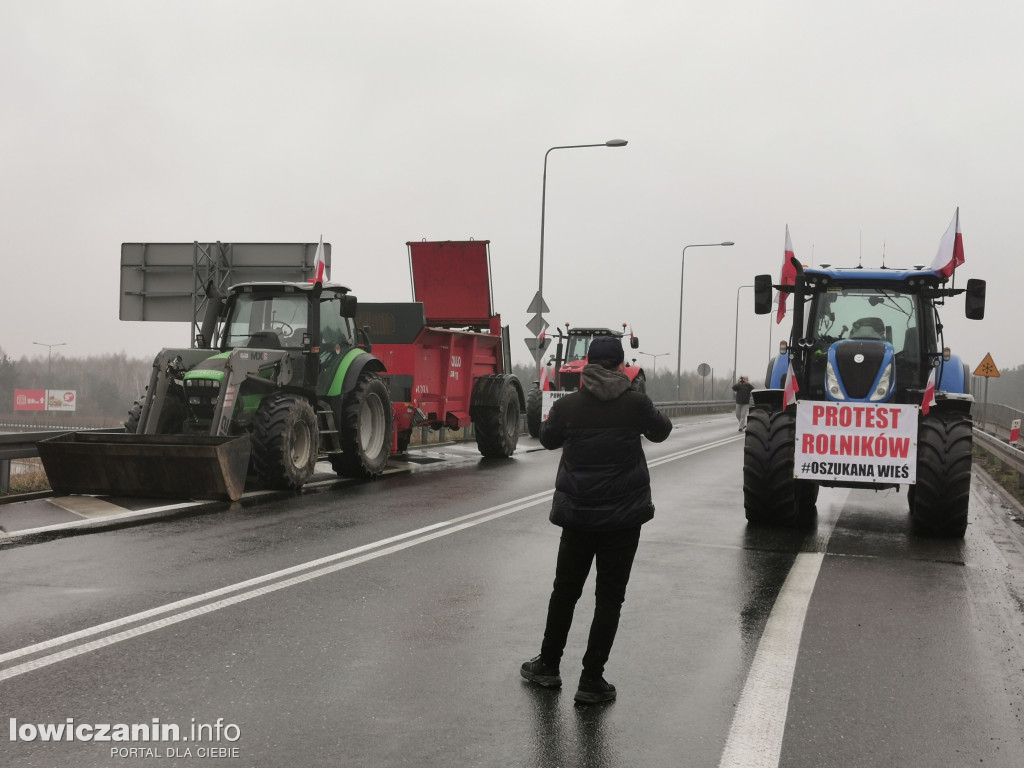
<point>860,126</point>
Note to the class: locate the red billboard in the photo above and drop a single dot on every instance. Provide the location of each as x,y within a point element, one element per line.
<point>44,400</point>
<point>30,399</point>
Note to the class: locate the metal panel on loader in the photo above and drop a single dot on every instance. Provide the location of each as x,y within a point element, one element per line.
<point>172,466</point>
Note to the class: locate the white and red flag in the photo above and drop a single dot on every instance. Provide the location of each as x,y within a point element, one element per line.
<point>951,249</point>
<point>319,264</point>
<point>789,393</point>
<point>788,277</point>
<point>929,393</point>
<point>545,379</point>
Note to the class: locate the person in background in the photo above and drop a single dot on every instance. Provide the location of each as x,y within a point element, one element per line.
<point>742,388</point>
<point>602,498</point>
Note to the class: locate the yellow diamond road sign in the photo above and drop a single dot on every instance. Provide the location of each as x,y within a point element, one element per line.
<point>987,367</point>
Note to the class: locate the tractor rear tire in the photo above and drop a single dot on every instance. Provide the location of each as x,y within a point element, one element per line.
<point>939,501</point>
<point>497,428</point>
<point>366,423</point>
<point>285,441</point>
<point>771,495</point>
<point>534,407</point>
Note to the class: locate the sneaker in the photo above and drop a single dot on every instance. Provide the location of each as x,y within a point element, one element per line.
<point>536,671</point>
<point>594,690</point>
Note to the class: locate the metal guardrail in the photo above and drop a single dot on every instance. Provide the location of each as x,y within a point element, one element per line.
<point>22,445</point>
<point>1010,456</point>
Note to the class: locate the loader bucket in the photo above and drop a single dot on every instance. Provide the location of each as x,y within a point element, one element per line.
<point>119,464</point>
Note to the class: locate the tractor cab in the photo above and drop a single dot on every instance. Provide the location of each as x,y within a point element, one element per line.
<point>870,335</point>
<point>294,334</point>
<point>866,344</point>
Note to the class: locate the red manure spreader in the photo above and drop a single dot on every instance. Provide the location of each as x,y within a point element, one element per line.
<point>445,352</point>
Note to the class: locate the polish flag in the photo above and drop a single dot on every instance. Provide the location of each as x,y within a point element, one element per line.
<point>929,393</point>
<point>545,379</point>
<point>951,249</point>
<point>788,277</point>
<point>789,394</point>
<point>319,264</point>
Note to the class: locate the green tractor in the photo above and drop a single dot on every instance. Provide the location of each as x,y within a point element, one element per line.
<point>279,372</point>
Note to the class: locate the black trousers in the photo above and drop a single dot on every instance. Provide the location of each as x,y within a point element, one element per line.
<point>614,552</point>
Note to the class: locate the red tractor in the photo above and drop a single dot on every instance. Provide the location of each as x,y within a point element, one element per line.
<point>565,367</point>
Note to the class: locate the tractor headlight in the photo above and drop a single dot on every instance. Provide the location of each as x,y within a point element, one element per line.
<point>884,385</point>
<point>832,383</point>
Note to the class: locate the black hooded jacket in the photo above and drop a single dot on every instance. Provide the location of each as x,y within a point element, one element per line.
<point>602,482</point>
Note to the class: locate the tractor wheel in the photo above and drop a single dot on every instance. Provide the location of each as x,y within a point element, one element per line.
<point>534,406</point>
<point>806,502</point>
<point>285,441</point>
<point>404,438</point>
<point>770,493</point>
<point>172,418</point>
<point>639,384</point>
<point>131,424</point>
<point>497,429</point>
<point>366,418</point>
<point>939,500</point>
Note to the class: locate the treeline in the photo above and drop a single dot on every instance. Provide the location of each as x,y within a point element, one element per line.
<point>661,385</point>
<point>105,386</point>
<point>1007,389</point>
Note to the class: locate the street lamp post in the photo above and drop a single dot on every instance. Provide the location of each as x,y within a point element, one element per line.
<point>679,351</point>
<point>538,307</point>
<point>736,340</point>
<point>49,358</point>
<point>654,364</point>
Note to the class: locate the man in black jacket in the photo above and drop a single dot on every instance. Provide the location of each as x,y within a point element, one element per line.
<point>602,497</point>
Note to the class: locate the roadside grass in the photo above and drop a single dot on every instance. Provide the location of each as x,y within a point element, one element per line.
<point>1007,478</point>
<point>32,480</point>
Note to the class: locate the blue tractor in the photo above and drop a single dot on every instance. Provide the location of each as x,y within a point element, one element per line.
<point>865,348</point>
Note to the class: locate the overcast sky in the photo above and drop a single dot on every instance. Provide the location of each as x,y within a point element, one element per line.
<point>863,126</point>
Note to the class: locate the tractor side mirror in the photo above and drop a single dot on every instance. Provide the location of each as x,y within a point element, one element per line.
<point>974,301</point>
<point>634,342</point>
<point>762,294</point>
<point>363,338</point>
<point>347,305</point>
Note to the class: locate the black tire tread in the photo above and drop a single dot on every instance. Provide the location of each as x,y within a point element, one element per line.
<point>944,456</point>
<point>770,492</point>
<point>534,407</point>
<point>497,428</point>
<point>270,458</point>
<point>353,461</point>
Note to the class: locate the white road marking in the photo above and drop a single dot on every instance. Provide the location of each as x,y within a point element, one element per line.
<point>86,506</point>
<point>759,723</point>
<point>273,582</point>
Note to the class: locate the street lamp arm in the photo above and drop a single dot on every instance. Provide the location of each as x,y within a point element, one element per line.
<point>543,202</point>
<point>679,350</point>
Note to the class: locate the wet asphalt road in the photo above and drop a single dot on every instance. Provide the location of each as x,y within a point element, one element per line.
<point>383,624</point>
